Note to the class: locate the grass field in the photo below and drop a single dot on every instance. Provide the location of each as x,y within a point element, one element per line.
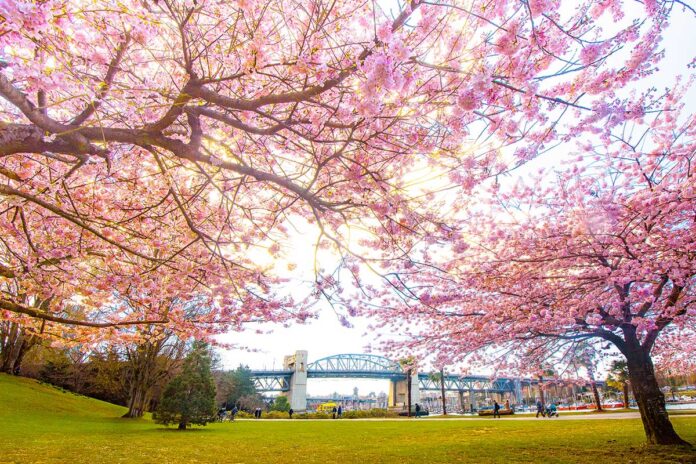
<point>39,423</point>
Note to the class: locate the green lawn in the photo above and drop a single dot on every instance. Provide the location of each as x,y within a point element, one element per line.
<point>42,424</point>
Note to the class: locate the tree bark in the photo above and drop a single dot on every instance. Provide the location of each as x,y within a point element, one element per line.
<point>15,342</point>
<point>541,389</point>
<point>141,364</point>
<point>651,401</point>
<point>136,401</point>
<point>442,389</point>
<point>598,401</point>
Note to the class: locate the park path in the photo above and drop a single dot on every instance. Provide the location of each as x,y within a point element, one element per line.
<point>519,417</point>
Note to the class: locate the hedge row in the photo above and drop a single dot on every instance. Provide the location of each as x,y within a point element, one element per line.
<point>358,414</point>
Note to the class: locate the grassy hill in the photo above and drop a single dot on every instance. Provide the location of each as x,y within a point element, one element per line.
<point>20,395</point>
<point>39,423</point>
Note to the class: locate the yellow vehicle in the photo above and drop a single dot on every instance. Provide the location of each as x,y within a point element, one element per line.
<point>327,407</point>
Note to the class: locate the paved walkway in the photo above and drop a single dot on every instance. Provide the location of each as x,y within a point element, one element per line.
<point>566,416</point>
<point>518,417</point>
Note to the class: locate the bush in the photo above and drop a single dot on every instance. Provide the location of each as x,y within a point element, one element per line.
<point>311,415</point>
<point>322,415</point>
<point>281,404</point>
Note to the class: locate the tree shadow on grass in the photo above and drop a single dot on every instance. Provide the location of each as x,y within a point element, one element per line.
<point>183,432</point>
<point>670,454</point>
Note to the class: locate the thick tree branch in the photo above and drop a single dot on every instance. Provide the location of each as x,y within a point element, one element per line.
<point>38,314</point>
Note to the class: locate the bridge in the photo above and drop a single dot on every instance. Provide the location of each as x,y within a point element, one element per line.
<point>292,379</point>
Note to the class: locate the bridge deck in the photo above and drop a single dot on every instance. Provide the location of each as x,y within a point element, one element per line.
<point>368,366</point>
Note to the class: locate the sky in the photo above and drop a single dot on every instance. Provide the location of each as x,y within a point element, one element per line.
<point>326,336</point>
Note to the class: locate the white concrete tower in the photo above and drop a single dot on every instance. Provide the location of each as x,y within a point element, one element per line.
<point>297,395</point>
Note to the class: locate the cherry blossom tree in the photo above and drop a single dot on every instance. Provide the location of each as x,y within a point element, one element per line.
<point>161,136</point>
<point>601,257</point>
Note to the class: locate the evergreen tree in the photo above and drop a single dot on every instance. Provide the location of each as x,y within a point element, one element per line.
<point>190,397</point>
<point>235,385</point>
<point>281,404</point>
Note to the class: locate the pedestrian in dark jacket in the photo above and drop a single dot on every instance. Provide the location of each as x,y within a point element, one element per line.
<point>496,409</point>
<point>540,408</point>
<point>291,412</point>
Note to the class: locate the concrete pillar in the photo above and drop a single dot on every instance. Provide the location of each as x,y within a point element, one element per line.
<point>398,391</point>
<point>415,389</point>
<point>472,399</point>
<point>462,406</point>
<point>517,394</point>
<point>297,396</point>
<point>392,397</point>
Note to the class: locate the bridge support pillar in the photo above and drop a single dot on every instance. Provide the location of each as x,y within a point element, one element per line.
<point>398,392</point>
<point>415,389</point>
<point>517,393</point>
<point>472,400</point>
<point>297,395</point>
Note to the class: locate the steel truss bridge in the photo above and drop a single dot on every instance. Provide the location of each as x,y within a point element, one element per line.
<point>368,366</point>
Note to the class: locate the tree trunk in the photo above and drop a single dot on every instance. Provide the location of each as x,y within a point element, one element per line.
<point>136,401</point>
<point>23,350</point>
<point>408,392</point>
<point>141,363</point>
<point>13,347</point>
<point>625,394</point>
<point>651,401</point>
<point>597,400</point>
<point>442,389</point>
<point>541,390</point>
<point>15,342</point>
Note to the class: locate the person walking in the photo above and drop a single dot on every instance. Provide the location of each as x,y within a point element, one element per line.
<point>234,413</point>
<point>540,409</point>
<point>290,412</point>
<point>418,409</point>
<point>340,411</point>
<point>333,412</point>
<point>496,409</point>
